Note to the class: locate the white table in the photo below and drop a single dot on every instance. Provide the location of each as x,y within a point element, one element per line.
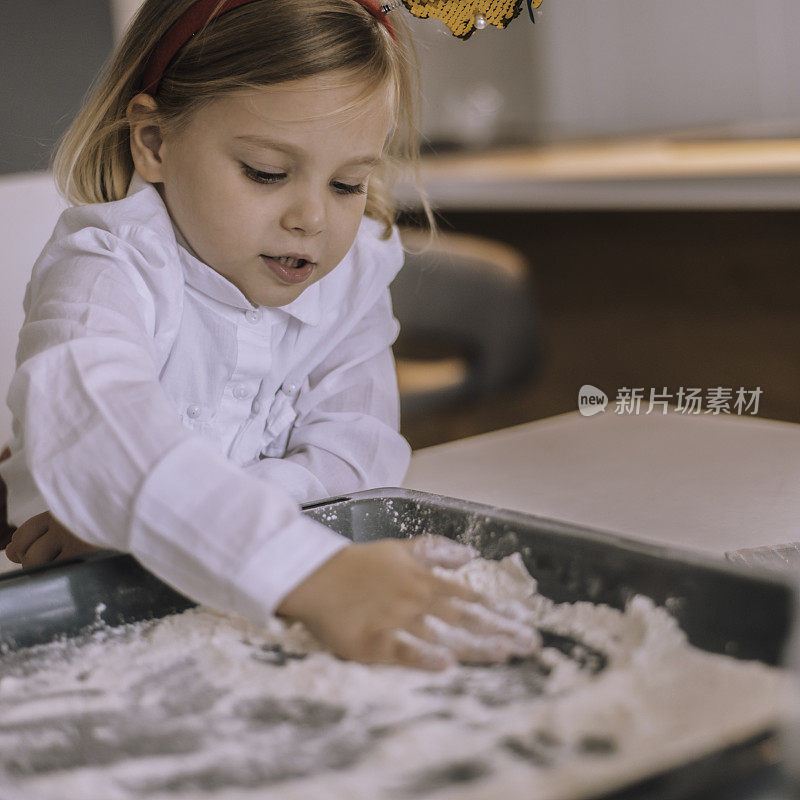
<point>704,482</point>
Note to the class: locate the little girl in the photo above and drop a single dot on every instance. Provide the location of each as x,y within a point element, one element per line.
<point>208,330</point>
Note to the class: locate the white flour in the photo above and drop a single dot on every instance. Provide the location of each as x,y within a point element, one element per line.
<point>203,705</point>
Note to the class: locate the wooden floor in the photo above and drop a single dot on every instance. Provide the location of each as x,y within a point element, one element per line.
<point>646,300</point>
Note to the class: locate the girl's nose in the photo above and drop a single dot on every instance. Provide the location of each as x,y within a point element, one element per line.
<point>306,214</point>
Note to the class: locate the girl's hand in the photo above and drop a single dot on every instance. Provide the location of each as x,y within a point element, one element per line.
<point>43,539</point>
<point>381,602</point>
<point>6,531</point>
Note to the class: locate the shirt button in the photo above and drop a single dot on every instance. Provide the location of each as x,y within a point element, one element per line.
<point>253,315</point>
<point>289,388</point>
<point>256,407</point>
<point>193,412</point>
<point>240,392</point>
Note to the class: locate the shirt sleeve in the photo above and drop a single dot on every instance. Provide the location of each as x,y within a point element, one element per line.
<point>345,437</point>
<point>97,436</point>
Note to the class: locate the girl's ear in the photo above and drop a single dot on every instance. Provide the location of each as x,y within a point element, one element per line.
<point>145,138</point>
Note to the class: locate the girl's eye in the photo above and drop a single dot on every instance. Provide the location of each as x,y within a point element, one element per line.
<point>273,177</point>
<point>262,177</point>
<point>350,188</point>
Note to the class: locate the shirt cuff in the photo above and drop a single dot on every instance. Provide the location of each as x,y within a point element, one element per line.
<point>282,565</point>
<point>222,537</point>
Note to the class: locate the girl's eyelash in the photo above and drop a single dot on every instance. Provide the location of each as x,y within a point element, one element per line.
<point>350,188</point>
<point>273,177</point>
<point>262,177</point>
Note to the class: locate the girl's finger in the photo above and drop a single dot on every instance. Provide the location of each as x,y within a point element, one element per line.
<point>72,546</point>
<point>44,550</point>
<point>446,588</point>
<point>474,648</point>
<point>26,535</point>
<point>439,551</point>
<point>411,651</point>
<point>511,609</point>
<point>469,647</point>
<point>477,618</point>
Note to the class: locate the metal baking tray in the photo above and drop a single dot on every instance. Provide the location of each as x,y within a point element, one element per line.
<point>722,608</point>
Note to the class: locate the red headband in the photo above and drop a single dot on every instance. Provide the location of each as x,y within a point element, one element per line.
<point>200,14</point>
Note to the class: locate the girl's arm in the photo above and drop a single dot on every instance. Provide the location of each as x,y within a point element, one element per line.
<point>97,438</point>
<point>345,437</point>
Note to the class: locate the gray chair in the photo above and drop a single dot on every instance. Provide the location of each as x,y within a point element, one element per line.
<point>469,321</point>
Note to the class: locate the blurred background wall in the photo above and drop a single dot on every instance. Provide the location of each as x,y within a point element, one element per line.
<point>632,66</point>
<point>50,50</point>
<point>616,67</point>
<point>587,69</point>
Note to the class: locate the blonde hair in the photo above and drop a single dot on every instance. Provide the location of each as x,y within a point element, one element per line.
<point>255,45</point>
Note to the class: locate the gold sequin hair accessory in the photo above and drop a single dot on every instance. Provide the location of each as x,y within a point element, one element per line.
<point>464,17</point>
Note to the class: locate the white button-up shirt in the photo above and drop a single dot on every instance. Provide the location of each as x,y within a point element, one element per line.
<point>158,412</point>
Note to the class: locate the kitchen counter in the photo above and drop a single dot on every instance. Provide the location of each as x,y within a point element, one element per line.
<point>653,173</point>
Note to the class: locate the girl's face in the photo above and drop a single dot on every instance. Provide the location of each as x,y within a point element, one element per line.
<point>268,174</point>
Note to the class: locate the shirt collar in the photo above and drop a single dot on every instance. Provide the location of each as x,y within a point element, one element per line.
<point>307,308</point>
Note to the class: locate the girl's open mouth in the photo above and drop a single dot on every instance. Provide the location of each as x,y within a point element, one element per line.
<point>288,269</point>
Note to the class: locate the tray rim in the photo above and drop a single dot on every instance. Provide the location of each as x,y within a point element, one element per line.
<point>603,536</point>
<point>587,533</point>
